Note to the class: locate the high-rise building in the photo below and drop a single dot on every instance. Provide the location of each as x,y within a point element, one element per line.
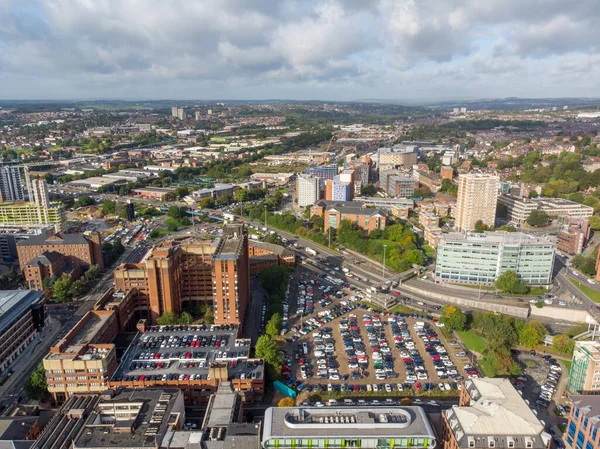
<point>130,211</point>
<point>41,198</point>
<point>308,190</point>
<point>583,375</point>
<point>477,199</point>
<point>197,115</point>
<point>481,258</point>
<point>336,190</point>
<point>174,110</point>
<point>11,184</point>
<point>193,270</point>
<point>181,114</point>
<point>397,184</point>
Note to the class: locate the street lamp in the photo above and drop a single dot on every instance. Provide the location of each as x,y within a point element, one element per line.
<point>384,248</point>
<point>265,215</point>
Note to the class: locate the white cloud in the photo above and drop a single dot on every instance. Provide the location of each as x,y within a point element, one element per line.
<point>344,49</point>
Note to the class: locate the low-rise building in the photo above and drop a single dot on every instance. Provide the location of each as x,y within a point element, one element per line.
<point>397,184</point>
<point>519,209</point>
<point>491,414</point>
<point>474,258</point>
<point>155,193</point>
<point>214,192</point>
<point>430,180</point>
<point>263,255</point>
<point>446,172</point>
<point>122,419</point>
<point>432,235</point>
<point>96,182</point>
<point>347,427</point>
<point>23,317</point>
<point>583,428</point>
<point>428,219</point>
<point>334,212</point>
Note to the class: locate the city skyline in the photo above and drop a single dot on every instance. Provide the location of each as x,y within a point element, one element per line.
<point>298,50</point>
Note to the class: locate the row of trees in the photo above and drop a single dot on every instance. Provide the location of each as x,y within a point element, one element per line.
<point>169,318</point>
<point>64,289</point>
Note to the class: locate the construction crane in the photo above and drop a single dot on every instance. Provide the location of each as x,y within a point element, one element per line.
<point>327,149</point>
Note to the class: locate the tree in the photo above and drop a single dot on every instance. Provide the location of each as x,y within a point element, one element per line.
<point>167,318</point>
<point>480,226</point>
<point>318,221</point>
<point>207,203</point>
<point>176,212</point>
<point>241,195</point>
<point>453,318</point>
<point>273,238</point>
<point>273,325</point>
<point>368,190</point>
<point>84,201</point>
<point>286,402</point>
<point>509,282</point>
<point>61,288</point>
<point>531,334</point>
<point>563,344</point>
<point>537,219</point>
<point>35,386</point>
<point>109,207</point>
<point>78,288</point>
<point>181,192</point>
<point>268,349</point>
<point>594,221</point>
<point>172,224</point>
<point>405,402</point>
<point>533,194</point>
<point>185,318</point>
<point>415,256</point>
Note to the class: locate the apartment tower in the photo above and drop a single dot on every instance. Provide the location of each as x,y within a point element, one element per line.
<point>477,199</point>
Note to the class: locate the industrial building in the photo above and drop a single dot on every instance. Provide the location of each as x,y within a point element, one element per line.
<point>23,316</point>
<point>492,414</point>
<point>474,258</point>
<point>476,200</point>
<point>347,427</point>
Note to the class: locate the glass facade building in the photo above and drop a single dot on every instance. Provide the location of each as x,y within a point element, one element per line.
<point>481,258</point>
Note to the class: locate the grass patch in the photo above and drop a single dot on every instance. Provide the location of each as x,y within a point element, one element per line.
<point>473,340</point>
<point>160,232</point>
<point>429,251</point>
<point>529,363</point>
<point>589,292</point>
<point>567,363</point>
<point>485,366</point>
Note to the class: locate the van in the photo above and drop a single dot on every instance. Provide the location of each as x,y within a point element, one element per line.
<point>348,402</point>
<point>319,354</point>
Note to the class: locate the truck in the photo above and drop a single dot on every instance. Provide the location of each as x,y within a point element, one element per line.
<point>284,389</point>
<point>310,251</point>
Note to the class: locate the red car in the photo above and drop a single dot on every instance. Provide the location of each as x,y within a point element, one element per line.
<point>407,360</point>
<point>418,386</point>
<point>188,355</point>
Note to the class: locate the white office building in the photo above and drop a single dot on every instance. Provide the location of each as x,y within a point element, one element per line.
<point>519,209</point>
<point>308,190</point>
<point>473,258</point>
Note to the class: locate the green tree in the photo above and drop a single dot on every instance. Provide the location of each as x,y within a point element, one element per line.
<point>241,195</point>
<point>533,194</point>
<point>594,221</point>
<point>172,224</point>
<point>538,219</point>
<point>453,318</point>
<point>266,348</point>
<point>207,203</point>
<point>480,226</point>
<point>318,221</point>
<point>274,325</point>
<point>176,212</point>
<point>84,201</point>
<point>35,386</point>
<point>273,238</point>
<point>109,207</point>
<point>185,318</point>
<point>509,282</point>
<point>507,228</point>
<point>563,344</point>
<point>368,190</point>
<point>532,334</point>
<point>181,192</point>
<point>415,257</point>
<point>62,288</point>
<point>78,288</point>
<point>167,318</point>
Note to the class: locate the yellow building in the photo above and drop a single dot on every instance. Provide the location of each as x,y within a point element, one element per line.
<point>30,214</point>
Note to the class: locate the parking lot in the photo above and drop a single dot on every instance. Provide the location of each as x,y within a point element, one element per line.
<point>355,350</point>
<point>169,353</point>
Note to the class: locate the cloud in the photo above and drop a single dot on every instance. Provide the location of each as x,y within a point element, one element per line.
<point>334,49</point>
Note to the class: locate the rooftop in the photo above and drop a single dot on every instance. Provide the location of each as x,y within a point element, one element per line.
<point>589,405</point>
<point>283,422</point>
<point>498,237</point>
<point>277,249</point>
<point>171,345</point>
<point>13,303</point>
<point>496,411</point>
<point>56,239</point>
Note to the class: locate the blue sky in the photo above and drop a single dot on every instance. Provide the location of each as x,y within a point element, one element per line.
<point>292,49</point>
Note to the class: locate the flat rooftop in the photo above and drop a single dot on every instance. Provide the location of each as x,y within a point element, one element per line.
<point>13,303</point>
<point>229,248</point>
<point>176,357</point>
<point>498,237</point>
<point>346,422</point>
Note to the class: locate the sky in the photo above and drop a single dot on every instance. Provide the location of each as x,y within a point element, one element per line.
<point>299,49</point>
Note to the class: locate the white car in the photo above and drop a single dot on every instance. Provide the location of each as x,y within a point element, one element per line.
<point>417,401</point>
<point>433,403</point>
<point>591,281</point>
